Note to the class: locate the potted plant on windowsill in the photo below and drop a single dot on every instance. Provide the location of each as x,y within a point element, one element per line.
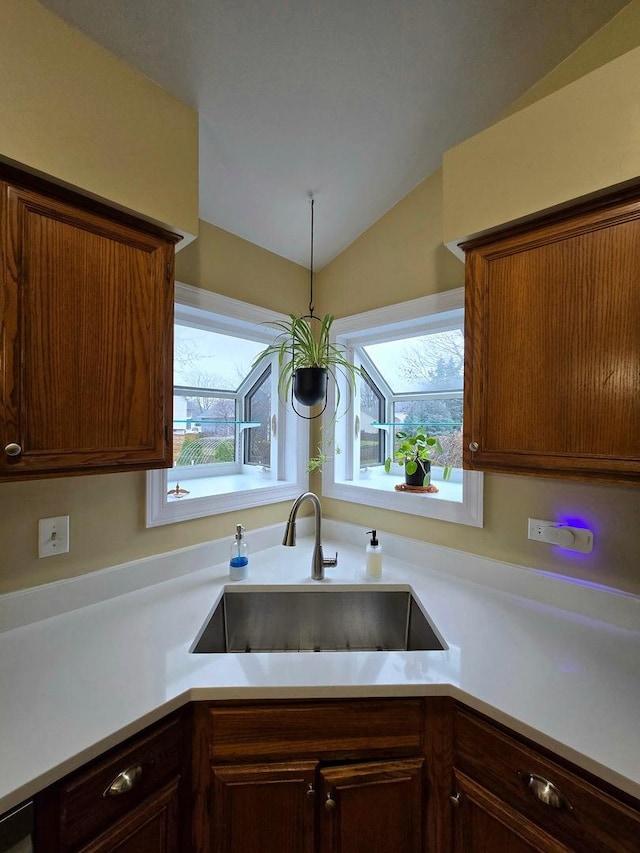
<point>415,453</point>
<point>306,360</point>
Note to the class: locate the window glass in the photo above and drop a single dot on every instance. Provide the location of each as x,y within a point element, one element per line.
<point>439,416</point>
<point>204,431</point>
<point>235,443</point>
<point>371,411</point>
<point>432,362</point>
<point>412,360</point>
<point>206,359</point>
<point>258,411</point>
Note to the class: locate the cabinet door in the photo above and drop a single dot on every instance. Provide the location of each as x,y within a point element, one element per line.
<point>152,827</point>
<point>263,808</point>
<point>552,359</point>
<point>484,824</point>
<point>86,316</point>
<point>372,806</point>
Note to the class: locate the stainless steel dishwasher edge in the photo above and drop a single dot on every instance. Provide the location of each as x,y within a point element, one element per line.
<point>16,830</point>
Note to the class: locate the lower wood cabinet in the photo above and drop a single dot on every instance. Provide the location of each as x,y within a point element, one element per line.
<point>151,827</point>
<point>302,807</point>
<point>324,777</point>
<point>511,797</point>
<point>131,800</point>
<point>372,806</point>
<point>267,807</point>
<point>333,776</point>
<point>486,824</point>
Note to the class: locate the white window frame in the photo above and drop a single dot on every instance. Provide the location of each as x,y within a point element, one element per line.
<point>290,434</point>
<point>395,321</point>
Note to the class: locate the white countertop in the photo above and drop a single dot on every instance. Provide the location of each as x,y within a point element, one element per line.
<point>75,684</point>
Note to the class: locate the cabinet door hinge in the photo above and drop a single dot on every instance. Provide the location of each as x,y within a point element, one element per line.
<point>167,433</point>
<point>168,272</point>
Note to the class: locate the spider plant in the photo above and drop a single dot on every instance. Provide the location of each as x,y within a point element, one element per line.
<point>298,347</point>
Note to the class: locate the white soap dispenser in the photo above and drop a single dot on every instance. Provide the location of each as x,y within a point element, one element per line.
<point>374,557</point>
<point>239,559</point>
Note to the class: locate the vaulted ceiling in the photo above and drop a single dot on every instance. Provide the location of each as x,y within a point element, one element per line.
<point>353,101</point>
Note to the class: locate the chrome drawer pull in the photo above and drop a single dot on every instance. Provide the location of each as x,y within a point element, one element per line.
<point>329,803</point>
<point>124,781</point>
<point>545,791</point>
<point>13,449</point>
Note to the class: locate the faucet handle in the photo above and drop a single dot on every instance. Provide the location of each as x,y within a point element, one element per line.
<point>329,562</point>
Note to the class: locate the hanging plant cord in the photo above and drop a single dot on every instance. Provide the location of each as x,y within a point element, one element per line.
<point>311,266</point>
<point>311,316</point>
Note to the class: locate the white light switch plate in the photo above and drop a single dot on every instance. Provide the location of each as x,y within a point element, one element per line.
<point>53,536</point>
<point>563,535</point>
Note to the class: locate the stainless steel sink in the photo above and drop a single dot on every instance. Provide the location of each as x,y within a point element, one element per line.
<point>317,620</point>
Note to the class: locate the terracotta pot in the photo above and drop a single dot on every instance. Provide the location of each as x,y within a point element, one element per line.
<point>310,385</point>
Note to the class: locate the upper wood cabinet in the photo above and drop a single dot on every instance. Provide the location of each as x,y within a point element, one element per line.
<point>552,359</point>
<point>86,346</point>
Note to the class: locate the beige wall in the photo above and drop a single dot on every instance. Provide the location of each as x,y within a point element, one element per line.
<point>228,265</point>
<point>399,258</point>
<point>575,142</point>
<point>107,512</point>
<point>72,111</point>
<point>619,35</point>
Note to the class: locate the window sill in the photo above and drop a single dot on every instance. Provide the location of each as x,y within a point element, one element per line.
<point>459,502</point>
<point>212,495</point>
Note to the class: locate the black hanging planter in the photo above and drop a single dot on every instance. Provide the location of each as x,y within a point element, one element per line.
<point>310,385</point>
<point>421,476</point>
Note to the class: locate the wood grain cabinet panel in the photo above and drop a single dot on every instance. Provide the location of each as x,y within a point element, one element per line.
<point>266,807</point>
<point>552,359</point>
<point>524,799</point>
<point>151,827</point>
<point>345,776</point>
<point>131,800</point>
<point>372,806</point>
<point>86,317</point>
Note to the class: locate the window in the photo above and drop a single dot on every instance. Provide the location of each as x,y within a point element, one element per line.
<point>372,410</point>
<point>258,409</point>
<point>230,429</point>
<point>412,366</point>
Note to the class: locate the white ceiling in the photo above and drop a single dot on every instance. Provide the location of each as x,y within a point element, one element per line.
<point>351,100</point>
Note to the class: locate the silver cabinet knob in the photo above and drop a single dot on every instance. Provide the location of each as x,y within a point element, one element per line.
<point>456,799</point>
<point>13,449</point>
<point>329,803</point>
<point>545,791</point>
<point>124,781</point>
<point>310,792</point>
<point>473,446</point>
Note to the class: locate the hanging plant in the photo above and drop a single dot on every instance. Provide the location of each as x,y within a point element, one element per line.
<point>307,360</point>
<point>299,350</point>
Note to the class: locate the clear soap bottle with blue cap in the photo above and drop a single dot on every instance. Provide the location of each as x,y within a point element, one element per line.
<point>239,560</point>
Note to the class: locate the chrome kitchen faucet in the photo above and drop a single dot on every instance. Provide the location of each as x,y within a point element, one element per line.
<point>318,562</point>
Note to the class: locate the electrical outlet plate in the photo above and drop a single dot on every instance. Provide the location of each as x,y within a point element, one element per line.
<point>53,536</point>
<point>563,535</point>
